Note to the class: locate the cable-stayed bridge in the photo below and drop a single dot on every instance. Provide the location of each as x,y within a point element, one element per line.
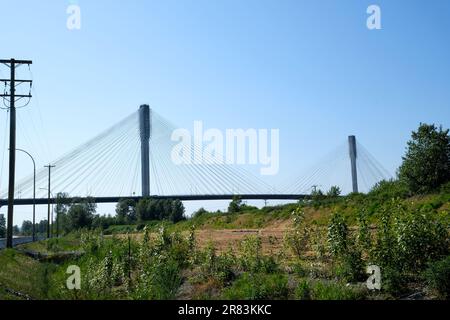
<point>134,159</point>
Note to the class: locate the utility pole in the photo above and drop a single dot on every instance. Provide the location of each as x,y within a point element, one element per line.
<point>49,193</point>
<point>57,217</point>
<point>13,98</point>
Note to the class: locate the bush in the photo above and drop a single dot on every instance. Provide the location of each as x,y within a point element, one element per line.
<point>297,240</point>
<point>218,267</point>
<point>338,234</point>
<point>350,266</point>
<point>250,258</point>
<point>408,239</point>
<point>421,238</point>
<point>346,254</point>
<point>199,213</point>
<point>393,280</point>
<point>388,189</point>
<point>438,277</point>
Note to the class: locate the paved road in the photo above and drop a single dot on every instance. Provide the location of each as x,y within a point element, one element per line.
<point>16,241</point>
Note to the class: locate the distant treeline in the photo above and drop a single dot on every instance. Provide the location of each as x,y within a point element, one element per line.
<point>78,214</point>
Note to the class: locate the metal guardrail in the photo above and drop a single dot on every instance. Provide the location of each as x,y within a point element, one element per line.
<point>18,241</point>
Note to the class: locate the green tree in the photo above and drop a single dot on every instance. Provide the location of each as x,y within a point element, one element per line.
<point>316,194</point>
<point>200,212</point>
<point>235,205</point>
<point>146,210</point>
<point>334,192</point>
<point>81,215</point>
<point>42,227</point>
<point>126,211</point>
<point>177,213</point>
<point>160,209</point>
<point>61,209</point>
<point>426,165</point>
<point>27,228</point>
<point>2,226</point>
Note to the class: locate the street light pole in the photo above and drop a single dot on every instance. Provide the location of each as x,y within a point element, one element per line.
<point>34,192</point>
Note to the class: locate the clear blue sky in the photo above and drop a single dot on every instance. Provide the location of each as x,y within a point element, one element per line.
<point>309,68</point>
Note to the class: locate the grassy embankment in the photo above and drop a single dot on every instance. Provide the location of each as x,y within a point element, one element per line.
<point>250,255</point>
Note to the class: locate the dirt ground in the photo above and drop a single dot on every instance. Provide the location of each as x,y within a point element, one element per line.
<point>271,237</point>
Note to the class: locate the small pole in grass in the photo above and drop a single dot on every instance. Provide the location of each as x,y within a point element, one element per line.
<point>129,257</point>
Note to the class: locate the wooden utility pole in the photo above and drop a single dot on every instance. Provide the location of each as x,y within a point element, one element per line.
<point>13,98</point>
<point>49,194</point>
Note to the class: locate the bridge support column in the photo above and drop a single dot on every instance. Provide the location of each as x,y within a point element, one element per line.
<point>353,157</point>
<point>144,126</point>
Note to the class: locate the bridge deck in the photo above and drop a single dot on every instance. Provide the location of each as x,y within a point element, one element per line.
<point>42,201</point>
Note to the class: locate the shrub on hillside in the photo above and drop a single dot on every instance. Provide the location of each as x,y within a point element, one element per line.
<point>218,267</point>
<point>350,266</point>
<point>338,234</point>
<point>347,256</point>
<point>438,277</point>
<point>388,189</point>
<point>407,240</point>
<point>297,240</point>
<point>199,213</point>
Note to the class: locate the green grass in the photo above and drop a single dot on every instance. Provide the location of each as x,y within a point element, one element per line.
<point>258,287</point>
<point>22,274</point>
<point>55,245</point>
<point>336,291</point>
